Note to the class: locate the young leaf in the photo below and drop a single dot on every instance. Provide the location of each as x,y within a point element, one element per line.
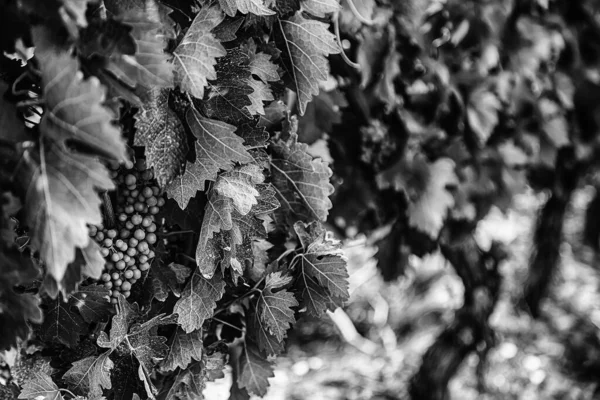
<point>183,348</point>
<point>306,44</point>
<point>160,131</point>
<point>198,301</point>
<point>256,7</point>
<point>74,108</point>
<point>217,148</point>
<point>40,387</point>
<point>301,182</point>
<point>255,371</point>
<point>61,324</point>
<point>196,55</point>
<point>90,375</point>
<point>275,308</point>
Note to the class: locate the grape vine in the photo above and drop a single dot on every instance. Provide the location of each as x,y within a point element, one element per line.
<point>169,168</point>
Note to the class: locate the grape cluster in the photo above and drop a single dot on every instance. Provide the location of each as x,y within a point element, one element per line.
<point>128,246</point>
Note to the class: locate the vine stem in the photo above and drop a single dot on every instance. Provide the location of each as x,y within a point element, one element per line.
<point>368,22</point>
<point>176,233</point>
<point>336,26</point>
<point>227,323</point>
<point>67,391</point>
<point>247,294</point>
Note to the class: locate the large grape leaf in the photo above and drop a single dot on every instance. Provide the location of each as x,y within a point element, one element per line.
<point>40,386</point>
<point>256,7</point>
<point>301,182</point>
<point>196,55</point>
<point>183,348</point>
<point>61,200</point>
<point>306,44</point>
<point>160,131</point>
<point>90,375</point>
<point>275,308</point>
<point>255,370</point>
<point>217,148</point>
<point>74,110</point>
<point>198,301</point>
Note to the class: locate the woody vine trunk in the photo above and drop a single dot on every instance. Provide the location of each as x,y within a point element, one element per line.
<point>470,331</point>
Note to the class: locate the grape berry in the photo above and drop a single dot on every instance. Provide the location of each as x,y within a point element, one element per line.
<point>128,246</point>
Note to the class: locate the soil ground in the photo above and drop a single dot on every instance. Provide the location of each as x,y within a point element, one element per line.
<point>399,320</point>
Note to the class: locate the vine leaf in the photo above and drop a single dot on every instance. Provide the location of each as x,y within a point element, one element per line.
<point>61,324</point>
<point>190,383</point>
<point>90,375</point>
<point>160,131</point>
<point>306,45</point>
<point>137,340</point>
<point>151,66</point>
<point>230,93</point>
<point>256,7</point>
<point>74,108</point>
<point>323,272</point>
<point>61,201</point>
<point>93,303</point>
<point>301,182</point>
<point>428,212</point>
<point>275,308</point>
<point>234,192</point>
<point>198,301</point>
<point>183,348</point>
<point>255,370</point>
<point>262,67</point>
<point>196,55</point>
<point>40,387</point>
<point>266,341</point>
<point>482,113</point>
<point>320,8</point>
<point>217,148</point>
